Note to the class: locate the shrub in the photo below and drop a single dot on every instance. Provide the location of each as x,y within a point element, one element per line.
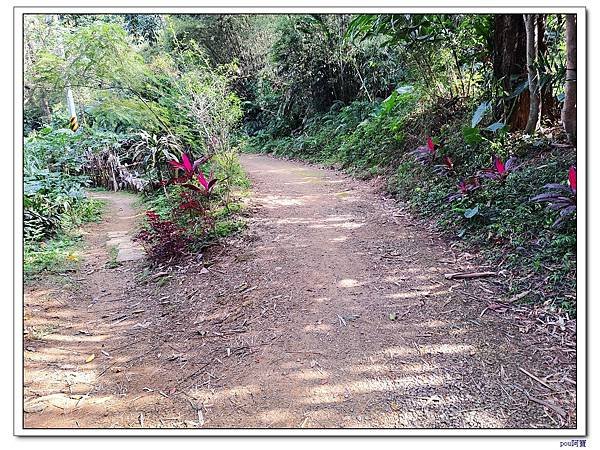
<point>163,240</point>
<point>561,198</point>
<point>499,171</point>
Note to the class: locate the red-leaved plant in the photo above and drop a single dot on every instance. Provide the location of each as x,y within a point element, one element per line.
<point>500,170</point>
<point>465,188</point>
<point>206,186</point>
<point>561,198</point>
<point>163,240</point>
<point>447,166</point>
<point>190,204</point>
<point>425,154</point>
<point>187,167</point>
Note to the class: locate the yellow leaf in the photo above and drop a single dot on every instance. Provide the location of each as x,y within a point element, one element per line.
<point>90,358</point>
<point>72,257</point>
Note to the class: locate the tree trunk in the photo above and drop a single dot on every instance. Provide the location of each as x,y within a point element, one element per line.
<point>45,107</point>
<point>532,74</point>
<point>569,111</point>
<point>548,106</point>
<point>509,63</point>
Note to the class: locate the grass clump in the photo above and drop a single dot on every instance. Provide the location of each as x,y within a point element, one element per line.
<point>61,252</point>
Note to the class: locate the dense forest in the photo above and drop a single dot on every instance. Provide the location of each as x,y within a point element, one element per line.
<point>468,120</point>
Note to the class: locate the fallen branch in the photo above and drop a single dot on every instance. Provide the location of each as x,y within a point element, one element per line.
<point>558,410</point>
<point>518,297</point>
<point>543,383</point>
<point>469,275</point>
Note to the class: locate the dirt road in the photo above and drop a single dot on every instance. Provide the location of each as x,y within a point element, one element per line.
<point>331,310</point>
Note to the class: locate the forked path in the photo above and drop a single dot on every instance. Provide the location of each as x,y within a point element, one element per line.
<point>332,310</point>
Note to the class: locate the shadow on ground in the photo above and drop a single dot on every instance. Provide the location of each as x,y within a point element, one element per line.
<point>331,311</point>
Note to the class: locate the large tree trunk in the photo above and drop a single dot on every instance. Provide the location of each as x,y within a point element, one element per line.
<point>531,31</point>
<point>569,111</point>
<point>509,62</point>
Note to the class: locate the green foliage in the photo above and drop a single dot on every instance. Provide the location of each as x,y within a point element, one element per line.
<point>124,115</point>
<point>444,52</point>
<point>313,66</point>
<point>112,262</point>
<point>89,210</point>
<point>499,218</point>
<point>52,180</point>
<point>361,136</point>
<point>211,105</point>
<point>228,227</point>
<point>61,252</point>
<point>55,256</point>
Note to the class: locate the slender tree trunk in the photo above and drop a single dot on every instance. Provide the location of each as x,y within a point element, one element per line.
<point>569,111</point>
<point>509,63</point>
<point>45,107</point>
<point>532,75</point>
<point>548,107</point>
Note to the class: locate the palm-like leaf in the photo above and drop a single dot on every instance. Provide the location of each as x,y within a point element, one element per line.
<point>561,198</point>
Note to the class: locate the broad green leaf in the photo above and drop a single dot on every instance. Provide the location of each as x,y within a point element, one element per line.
<point>472,135</point>
<point>480,112</point>
<point>495,127</point>
<point>472,212</point>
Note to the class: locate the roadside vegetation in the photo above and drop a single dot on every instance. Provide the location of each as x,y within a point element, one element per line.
<point>469,120</point>
<point>115,102</point>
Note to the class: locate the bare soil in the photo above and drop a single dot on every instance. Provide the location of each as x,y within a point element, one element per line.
<point>330,310</point>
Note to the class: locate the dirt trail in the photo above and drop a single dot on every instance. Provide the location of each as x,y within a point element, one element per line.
<point>332,310</point>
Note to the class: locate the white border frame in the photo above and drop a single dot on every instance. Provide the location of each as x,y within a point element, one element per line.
<point>229,7</point>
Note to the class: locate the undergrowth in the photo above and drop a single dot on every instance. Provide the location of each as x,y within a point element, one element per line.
<point>180,221</point>
<point>62,252</point>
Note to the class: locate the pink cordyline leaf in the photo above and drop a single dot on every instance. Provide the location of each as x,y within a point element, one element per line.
<point>430,145</point>
<point>573,179</point>
<point>176,164</point>
<point>186,163</point>
<point>206,184</point>
<point>499,165</point>
<point>448,162</point>
<point>185,166</point>
<point>202,180</point>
